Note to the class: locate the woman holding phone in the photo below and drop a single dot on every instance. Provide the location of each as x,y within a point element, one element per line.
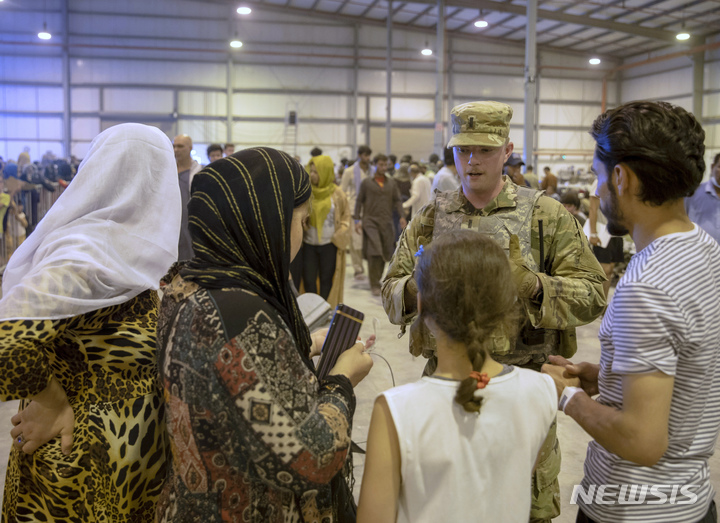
<point>255,436</point>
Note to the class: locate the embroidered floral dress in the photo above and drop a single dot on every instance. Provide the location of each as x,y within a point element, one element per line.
<point>254,436</point>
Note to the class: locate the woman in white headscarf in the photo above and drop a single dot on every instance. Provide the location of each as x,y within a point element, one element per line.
<point>78,318</point>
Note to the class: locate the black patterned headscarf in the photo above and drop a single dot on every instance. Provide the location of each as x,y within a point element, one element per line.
<point>239,218</point>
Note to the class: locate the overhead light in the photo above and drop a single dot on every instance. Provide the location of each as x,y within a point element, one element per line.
<point>480,23</point>
<point>44,35</point>
<point>244,10</point>
<point>594,61</point>
<point>426,52</point>
<point>236,44</point>
<point>683,34</point>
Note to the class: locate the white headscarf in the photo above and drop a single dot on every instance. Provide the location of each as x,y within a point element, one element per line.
<point>111,235</point>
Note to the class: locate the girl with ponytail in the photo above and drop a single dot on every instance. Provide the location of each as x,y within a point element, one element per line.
<point>459,445</point>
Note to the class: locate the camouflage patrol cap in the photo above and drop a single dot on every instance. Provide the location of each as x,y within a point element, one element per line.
<point>480,123</point>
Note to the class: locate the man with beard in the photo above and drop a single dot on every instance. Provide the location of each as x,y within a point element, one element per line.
<point>656,419</point>
<point>607,249</point>
<point>377,198</point>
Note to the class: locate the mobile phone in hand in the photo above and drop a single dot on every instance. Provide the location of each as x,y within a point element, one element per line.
<point>344,329</point>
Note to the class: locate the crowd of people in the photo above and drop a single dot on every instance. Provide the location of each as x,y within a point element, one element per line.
<point>206,405</point>
<point>27,190</point>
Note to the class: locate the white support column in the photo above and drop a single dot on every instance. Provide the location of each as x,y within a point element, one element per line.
<point>530,80</point>
<point>451,88</point>
<point>355,80</point>
<point>229,108</point>
<point>367,121</point>
<point>388,94</point>
<point>67,110</point>
<point>229,80</point>
<point>536,139</point>
<point>438,140</point>
<point>698,83</point>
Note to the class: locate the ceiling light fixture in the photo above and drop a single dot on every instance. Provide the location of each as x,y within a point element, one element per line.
<point>244,10</point>
<point>44,34</point>
<point>480,23</point>
<point>683,34</point>
<point>594,61</point>
<point>236,44</point>
<point>426,50</point>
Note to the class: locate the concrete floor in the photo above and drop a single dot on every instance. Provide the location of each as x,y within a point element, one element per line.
<point>405,369</point>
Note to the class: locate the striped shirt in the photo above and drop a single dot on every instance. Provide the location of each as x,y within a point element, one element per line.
<point>664,316</point>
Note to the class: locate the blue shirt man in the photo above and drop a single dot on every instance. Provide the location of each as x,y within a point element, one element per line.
<point>703,207</point>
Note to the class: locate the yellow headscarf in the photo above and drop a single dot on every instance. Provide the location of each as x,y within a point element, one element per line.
<point>322,192</point>
<point>23,160</point>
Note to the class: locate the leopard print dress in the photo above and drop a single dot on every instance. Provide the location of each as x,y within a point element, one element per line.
<point>105,360</point>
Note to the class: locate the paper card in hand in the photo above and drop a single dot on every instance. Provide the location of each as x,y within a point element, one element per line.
<point>344,329</point>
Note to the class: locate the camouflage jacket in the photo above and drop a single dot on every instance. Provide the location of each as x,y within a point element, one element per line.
<point>572,282</point>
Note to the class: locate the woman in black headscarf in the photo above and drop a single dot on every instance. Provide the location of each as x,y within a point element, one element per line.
<point>254,436</point>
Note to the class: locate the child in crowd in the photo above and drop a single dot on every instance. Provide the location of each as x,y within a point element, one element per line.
<point>571,200</point>
<point>459,445</point>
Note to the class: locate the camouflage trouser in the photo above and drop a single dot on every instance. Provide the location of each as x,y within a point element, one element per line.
<point>545,486</point>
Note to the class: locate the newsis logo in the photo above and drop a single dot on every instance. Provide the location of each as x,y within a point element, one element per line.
<point>634,495</point>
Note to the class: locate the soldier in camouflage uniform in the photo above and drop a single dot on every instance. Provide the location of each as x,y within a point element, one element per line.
<point>559,293</point>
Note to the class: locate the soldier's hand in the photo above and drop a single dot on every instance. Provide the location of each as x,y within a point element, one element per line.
<point>560,378</point>
<point>527,282</point>
<point>586,372</point>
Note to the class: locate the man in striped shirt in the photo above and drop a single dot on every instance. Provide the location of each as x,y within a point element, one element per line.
<point>656,418</point>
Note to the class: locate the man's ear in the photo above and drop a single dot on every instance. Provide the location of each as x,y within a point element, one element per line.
<point>620,178</point>
<point>509,150</point>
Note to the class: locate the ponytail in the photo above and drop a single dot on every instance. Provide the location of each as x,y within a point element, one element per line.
<point>477,354</point>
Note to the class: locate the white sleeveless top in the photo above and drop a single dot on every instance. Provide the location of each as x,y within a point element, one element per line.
<point>461,466</point>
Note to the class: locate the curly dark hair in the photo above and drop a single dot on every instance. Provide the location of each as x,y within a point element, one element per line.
<point>466,289</point>
<point>214,147</point>
<point>662,143</point>
<point>364,149</point>
<point>571,197</point>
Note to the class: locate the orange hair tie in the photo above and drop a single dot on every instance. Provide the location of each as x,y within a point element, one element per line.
<point>482,379</point>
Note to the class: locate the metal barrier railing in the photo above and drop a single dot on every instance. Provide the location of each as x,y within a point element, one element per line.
<point>27,207</point>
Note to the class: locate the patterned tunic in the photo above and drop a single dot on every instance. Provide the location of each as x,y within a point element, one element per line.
<point>254,436</point>
<point>374,206</point>
<point>105,361</point>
